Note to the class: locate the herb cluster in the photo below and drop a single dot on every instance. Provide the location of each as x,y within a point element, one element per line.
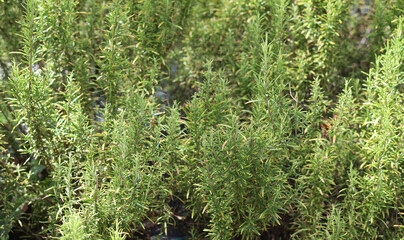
<point>227,119</point>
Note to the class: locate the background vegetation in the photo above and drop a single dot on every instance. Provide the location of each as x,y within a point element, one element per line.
<point>225,119</point>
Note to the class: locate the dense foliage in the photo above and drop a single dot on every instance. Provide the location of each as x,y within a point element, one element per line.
<point>226,119</point>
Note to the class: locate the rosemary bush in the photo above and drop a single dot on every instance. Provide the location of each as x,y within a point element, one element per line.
<point>220,119</point>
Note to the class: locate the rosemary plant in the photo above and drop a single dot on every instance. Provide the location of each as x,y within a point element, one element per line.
<point>223,119</point>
